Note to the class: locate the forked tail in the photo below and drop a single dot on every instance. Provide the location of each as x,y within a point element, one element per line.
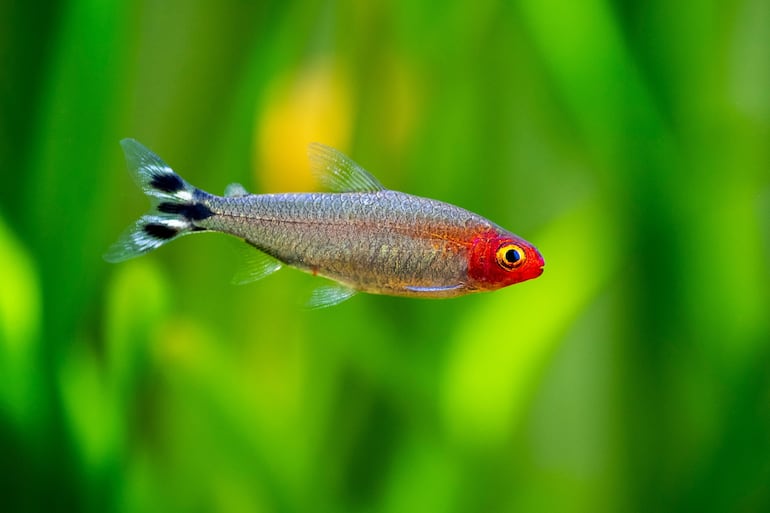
<point>176,205</point>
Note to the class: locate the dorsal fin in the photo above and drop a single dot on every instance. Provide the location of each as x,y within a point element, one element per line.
<point>339,173</point>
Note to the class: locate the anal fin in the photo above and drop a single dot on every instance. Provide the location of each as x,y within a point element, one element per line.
<point>256,265</point>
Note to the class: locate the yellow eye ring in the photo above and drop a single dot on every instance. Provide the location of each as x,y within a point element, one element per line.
<point>511,256</point>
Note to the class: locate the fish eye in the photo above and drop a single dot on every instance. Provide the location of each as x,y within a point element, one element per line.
<point>510,256</point>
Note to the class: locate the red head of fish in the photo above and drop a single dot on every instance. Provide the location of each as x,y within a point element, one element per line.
<point>498,259</point>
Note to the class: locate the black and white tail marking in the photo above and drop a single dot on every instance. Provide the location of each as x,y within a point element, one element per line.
<point>176,205</point>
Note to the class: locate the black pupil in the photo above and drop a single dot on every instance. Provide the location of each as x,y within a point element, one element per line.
<point>512,256</point>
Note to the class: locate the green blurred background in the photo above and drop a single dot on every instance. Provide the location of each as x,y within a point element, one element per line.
<point>630,141</point>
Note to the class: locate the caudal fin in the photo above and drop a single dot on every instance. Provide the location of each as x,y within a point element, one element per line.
<point>176,205</point>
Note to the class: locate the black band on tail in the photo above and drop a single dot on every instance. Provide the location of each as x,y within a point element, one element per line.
<point>193,212</point>
<point>177,205</point>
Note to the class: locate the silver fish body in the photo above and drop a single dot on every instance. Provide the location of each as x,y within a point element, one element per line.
<point>363,236</point>
<point>382,242</point>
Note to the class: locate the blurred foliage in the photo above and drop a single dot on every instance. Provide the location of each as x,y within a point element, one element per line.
<point>630,141</point>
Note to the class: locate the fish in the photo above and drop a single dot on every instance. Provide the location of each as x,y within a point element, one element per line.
<point>360,235</point>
